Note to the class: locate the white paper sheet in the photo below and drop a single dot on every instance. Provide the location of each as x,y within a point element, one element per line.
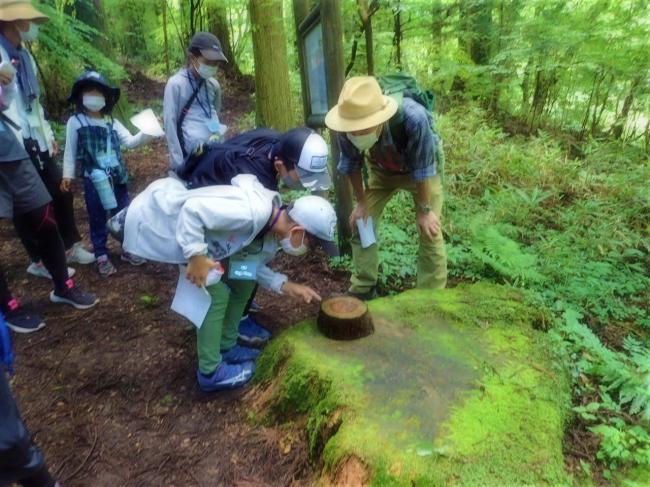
<point>147,122</point>
<point>190,301</point>
<point>366,232</point>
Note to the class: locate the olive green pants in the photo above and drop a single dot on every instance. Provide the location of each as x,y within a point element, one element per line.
<point>220,327</point>
<point>432,258</point>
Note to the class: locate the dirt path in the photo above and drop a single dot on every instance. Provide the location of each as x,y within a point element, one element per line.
<point>110,394</point>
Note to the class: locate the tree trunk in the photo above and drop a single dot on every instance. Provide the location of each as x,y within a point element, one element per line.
<point>397,34</point>
<point>218,25</point>
<point>475,26</point>
<point>437,14</point>
<point>272,88</point>
<point>300,12</point>
<point>333,51</point>
<point>165,36</point>
<point>365,13</point>
<point>344,318</point>
<point>621,120</point>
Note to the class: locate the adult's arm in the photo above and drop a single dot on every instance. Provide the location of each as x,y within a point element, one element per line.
<point>171,112</point>
<point>48,133</point>
<point>70,152</point>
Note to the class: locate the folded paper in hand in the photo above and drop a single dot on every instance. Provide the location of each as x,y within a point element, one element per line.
<point>366,232</point>
<point>147,122</point>
<point>190,301</point>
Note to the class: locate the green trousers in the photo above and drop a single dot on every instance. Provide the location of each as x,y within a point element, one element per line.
<point>219,329</point>
<point>432,257</point>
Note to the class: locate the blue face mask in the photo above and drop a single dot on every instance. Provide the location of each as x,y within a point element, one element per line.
<point>205,71</point>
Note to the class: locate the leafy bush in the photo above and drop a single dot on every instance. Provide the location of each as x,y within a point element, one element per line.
<point>64,48</point>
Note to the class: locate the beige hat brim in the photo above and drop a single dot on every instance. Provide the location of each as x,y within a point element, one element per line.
<point>336,122</point>
<point>22,11</point>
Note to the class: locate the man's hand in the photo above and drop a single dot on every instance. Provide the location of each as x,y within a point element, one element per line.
<point>55,148</point>
<point>5,78</point>
<point>428,224</point>
<point>66,183</point>
<point>7,74</point>
<point>295,290</point>
<point>198,268</point>
<point>360,211</point>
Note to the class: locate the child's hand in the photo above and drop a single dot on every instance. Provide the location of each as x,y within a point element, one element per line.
<point>198,268</point>
<point>65,185</point>
<point>300,291</point>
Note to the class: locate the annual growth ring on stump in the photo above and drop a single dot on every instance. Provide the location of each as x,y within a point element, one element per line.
<point>344,318</point>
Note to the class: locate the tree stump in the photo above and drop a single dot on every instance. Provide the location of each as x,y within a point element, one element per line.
<point>344,318</point>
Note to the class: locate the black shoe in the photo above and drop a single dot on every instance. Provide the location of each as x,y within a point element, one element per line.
<point>367,296</point>
<point>75,297</point>
<point>23,321</point>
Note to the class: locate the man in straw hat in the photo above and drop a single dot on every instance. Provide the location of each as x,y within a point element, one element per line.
<point>362,118</point>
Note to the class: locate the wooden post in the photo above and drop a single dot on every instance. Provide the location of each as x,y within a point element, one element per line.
<point>332,23</point>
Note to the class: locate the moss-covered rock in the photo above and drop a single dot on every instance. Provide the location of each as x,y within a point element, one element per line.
<point>456,387</point>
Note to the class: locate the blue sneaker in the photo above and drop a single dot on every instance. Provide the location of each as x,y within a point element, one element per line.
<point>255,307</point>
<point>239,355</point>
<point>252,334</point>
<point>226,376</point>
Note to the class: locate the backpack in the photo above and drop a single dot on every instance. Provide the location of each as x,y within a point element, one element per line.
<point>400,85</point>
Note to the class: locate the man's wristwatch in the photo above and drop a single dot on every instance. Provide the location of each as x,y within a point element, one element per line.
<point>423,208</point>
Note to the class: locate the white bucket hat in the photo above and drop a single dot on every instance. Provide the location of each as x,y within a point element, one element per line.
<point>361,105</point>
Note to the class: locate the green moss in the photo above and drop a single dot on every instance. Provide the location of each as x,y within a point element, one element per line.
<point>455,387</point>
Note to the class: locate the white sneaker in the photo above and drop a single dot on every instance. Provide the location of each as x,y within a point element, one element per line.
<point>38,269</point>
<point>77,254</point>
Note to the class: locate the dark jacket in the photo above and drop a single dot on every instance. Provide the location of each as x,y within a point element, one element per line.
<point>20,460</point>
<point>248,153</point>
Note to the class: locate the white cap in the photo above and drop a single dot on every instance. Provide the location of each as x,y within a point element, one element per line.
<point>312,165</point>
<point>318,217</point>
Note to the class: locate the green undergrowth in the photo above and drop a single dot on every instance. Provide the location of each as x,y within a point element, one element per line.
<point>455,386</point>
<point>571,231</point>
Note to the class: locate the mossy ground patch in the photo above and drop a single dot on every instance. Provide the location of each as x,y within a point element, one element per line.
<point>455,387</point>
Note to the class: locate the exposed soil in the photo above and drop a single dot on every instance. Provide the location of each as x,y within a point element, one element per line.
<point>110,394</point>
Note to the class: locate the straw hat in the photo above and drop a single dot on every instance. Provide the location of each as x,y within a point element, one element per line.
<point>11,10</point>
<point>361,106</point>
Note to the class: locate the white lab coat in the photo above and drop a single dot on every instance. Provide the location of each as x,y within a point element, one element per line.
<point>169,223</point>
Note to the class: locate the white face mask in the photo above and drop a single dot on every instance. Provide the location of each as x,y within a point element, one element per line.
<point>206,72</point>
<point>288,247</point>
<point>31,34</point>
<point>364,142</point>
<point>94,103</point>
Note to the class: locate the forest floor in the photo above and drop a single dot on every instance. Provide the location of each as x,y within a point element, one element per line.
<point>110,394</point>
